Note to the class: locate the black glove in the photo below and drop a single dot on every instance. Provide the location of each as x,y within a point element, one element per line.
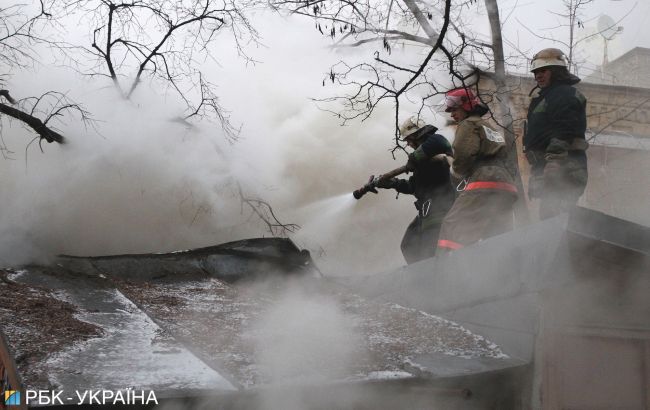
<point>371,185</point>
<point>386,183</point>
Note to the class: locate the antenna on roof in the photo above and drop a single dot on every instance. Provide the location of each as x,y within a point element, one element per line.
<point>608,29</point>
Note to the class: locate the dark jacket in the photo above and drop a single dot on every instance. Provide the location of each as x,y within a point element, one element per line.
<point>431,177</point>
<point>558,111</point>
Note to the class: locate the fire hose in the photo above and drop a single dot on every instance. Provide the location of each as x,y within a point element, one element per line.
<point>371,186</point>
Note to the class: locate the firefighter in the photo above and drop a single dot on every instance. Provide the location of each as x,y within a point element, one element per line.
<point>430,184</point>
<point>554,142</point>
<point>481,174</point>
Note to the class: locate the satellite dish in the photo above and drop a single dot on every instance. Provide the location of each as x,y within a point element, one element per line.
<point>607,27</point>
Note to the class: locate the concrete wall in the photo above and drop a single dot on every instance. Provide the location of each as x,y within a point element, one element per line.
<point>631,69</point>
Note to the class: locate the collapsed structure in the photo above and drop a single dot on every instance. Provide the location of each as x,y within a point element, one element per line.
<point>540,317</point>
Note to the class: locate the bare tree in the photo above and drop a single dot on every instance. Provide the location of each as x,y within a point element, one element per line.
<point>264,211</point>
<point>15,35</point>
<point>164,41</point>
<point>572,19</point>
<point>19,34</point>
<point>502,97</point>
<point>51,106</point>
<point>385,79</point>
<point>428,26</point>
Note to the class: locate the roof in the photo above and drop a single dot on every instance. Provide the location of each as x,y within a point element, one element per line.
<point>631,69</point>
<point>618,139</point>
<point>177,324</point>
<point>496,287</point>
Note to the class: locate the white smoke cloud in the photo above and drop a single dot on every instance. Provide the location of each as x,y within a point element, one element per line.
<point>305,340</point>
<point>146,184</point>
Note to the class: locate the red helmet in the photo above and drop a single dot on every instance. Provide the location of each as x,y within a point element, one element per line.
<point>461,97</point>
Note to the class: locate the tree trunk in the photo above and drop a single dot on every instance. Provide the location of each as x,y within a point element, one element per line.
<point>422,20</point>
<point>502,97</point>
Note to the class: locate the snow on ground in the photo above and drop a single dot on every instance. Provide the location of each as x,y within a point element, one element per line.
<point>134,353</point>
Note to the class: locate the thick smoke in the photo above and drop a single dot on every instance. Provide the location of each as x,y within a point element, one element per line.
<point>143,183</point>
<point>305,339</point>
<point>146,184</point>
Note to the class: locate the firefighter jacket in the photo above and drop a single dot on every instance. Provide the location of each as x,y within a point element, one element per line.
<point>555,146</point>
<point>480,158</point>
<point>484,207</point>
<point>558,111</point>
<point>431,178</point>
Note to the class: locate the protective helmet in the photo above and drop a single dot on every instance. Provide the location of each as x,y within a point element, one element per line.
<point>548,57</point>
<point>461,97</point>
<point>410,126</point>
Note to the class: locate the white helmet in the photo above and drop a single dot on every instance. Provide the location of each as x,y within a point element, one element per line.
<point>548,57</point>
<point>410,126</point>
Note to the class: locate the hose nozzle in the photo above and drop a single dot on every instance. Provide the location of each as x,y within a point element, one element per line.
<point>369,187</point>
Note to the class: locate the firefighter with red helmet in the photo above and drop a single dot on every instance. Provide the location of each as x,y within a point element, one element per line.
<point>554,141</point>
<point>484,207</point>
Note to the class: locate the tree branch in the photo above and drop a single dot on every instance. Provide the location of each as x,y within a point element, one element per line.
<point>34,123</point>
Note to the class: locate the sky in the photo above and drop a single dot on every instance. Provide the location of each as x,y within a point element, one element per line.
<point>139,183</point>
<point>521,17</point>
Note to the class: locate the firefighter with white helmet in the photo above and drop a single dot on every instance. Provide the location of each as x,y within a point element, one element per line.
<point>548,57</point>
<point>554,141</point>
<point>481,174</point>
<point>430,184</point>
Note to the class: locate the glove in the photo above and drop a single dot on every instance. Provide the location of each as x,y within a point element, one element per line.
<point>371,185</point>
<point>386,183</point>
<point>557,146</point>
<point>557,150</point>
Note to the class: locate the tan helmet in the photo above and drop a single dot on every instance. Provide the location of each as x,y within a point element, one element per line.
<point>548,57</point>
<point>410,126</point>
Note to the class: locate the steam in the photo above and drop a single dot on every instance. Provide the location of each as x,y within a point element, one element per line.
<point>143,183</point>
<point>146,186</point>
<point>305,340</point>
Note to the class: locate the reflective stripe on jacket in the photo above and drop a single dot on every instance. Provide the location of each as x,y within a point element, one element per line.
<point>503,186</point>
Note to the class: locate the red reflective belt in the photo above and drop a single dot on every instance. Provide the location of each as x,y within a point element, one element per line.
<point>444,243</point>
<point>504,186</point>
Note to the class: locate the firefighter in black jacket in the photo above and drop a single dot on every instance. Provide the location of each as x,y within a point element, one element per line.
<point>554,142</point>
<point>430,184</point>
